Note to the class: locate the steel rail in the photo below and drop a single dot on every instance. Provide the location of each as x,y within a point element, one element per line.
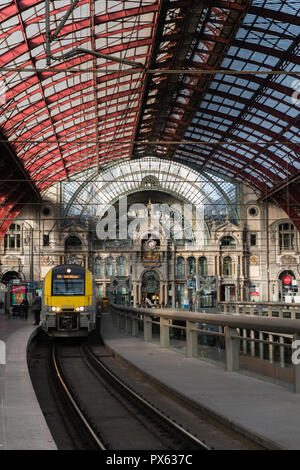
<point>95,438</point>
<point>89,355</point>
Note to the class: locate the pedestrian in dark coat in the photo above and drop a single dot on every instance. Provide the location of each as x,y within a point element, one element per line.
<point>24,307</point>
<point>36,308</point>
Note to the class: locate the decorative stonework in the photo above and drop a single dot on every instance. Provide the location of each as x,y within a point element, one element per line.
<point>47,260</point>
<point>73,259</point>
<point>254,259</point>
<point>288,260</point>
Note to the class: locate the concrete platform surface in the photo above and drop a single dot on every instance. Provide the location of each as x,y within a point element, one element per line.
<point>268,412</point>
<point>22,423</point>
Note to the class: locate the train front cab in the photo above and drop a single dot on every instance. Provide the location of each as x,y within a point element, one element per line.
<point>69,302</point>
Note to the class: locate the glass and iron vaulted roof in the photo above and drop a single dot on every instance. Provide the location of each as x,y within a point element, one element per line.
<point>55,120</point>
<point>93,198</point>
<point>255,118</point>
<point>90,83</point>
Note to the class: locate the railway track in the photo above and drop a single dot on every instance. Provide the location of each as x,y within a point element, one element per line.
<point>92,399</point>
<point>93,440</point>
<point>109,413</point>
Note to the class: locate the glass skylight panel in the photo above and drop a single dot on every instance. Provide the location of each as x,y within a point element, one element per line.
<point>69,119</point>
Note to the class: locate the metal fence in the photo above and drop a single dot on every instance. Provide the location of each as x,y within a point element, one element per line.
<point>262,309</point>
<point>254,343</point>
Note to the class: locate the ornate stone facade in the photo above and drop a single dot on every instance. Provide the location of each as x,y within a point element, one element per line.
<point>249,259</point>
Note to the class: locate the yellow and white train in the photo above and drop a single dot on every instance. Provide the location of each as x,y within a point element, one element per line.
<point>70,302</point>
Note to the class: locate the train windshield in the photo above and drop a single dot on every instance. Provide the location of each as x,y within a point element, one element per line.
<point>66,284</point>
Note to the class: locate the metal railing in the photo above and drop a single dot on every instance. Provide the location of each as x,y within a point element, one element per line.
<point>256,344</point>
<point>262,309</point>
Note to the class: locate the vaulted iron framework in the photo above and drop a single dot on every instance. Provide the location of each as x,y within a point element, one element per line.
<point>141,91</point>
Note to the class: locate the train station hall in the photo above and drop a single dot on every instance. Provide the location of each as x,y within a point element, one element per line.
<point>149,227</point>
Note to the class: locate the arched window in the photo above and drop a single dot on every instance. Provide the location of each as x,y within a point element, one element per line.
<point>191,266</point>
<point>228,241</point>
<point>109,266</point>
<point>286,237</point>
<point>203,266</point>
<point>180,267</point>
<point>12,239</point>
<point>98,267</point>
<point>72,243</point>
<point>227,266</point>
<point>121,266</point>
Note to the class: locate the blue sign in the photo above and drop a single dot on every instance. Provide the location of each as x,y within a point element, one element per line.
<point>32,285</point>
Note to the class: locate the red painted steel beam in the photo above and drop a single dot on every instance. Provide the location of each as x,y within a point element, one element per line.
<point>269,51</point>
<point>253,181</point>
<point>283,186</point>
<point>279,164</point>
<point>275,15</point>
<point>277,160</point>
<point>288,208</point>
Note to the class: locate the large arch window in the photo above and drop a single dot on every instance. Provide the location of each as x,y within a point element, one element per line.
<point>191,266</point>
<point>227,266</point>
<point>203,266</point>
<point>72,243</point>
<point>180,267</point>
<point>121,266</point>
<point>286,236</point>
<point>228,241</point>
<point>98,267</point>
<point>109,266</point>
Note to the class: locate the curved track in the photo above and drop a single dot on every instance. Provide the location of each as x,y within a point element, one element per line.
<point>111,413</point>
<point>94,439</point>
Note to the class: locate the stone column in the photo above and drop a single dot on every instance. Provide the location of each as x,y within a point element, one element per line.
<point>134,292</point>
<point>232,349</point>
<point>161,293</point>
<point>173,294</point>
<point>164,333</point>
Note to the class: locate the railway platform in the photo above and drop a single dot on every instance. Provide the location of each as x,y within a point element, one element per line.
<point>263,411</point>
<point>22,423</point>
<point>267,413</point>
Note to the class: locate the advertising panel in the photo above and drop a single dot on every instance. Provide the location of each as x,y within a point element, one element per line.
<point>18,293</point>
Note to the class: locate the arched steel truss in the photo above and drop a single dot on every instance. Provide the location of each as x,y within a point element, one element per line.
<point>173,178</point>
<point>60,122</point>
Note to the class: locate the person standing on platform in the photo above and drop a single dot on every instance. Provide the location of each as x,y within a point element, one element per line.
<point>24,307</point>
<point>36,308</point>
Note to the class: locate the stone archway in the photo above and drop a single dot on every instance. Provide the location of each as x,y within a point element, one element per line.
<point>286,288</point>
<point>72,243</point>
<point>150,288</point>
<point>9,275</point>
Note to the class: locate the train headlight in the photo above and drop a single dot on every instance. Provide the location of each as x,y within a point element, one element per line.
<point>55,309</point>
<point>79,309</point>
